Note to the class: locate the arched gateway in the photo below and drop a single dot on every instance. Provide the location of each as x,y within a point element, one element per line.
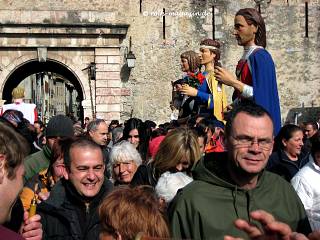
<point>62,71</point>
<point>67,50</point>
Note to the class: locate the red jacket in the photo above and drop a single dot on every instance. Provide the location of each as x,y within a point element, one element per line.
<point>6,233</point>
<point>215,145</point>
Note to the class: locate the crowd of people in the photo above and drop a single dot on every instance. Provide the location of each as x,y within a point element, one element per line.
<point>215,171</point>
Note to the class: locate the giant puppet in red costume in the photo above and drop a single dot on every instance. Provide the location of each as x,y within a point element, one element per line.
<point>256,76</point>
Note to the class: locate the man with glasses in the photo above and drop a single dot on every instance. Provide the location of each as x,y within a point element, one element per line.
<point>230,185</point>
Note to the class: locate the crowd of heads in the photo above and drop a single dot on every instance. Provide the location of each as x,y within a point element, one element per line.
<point>171,148</point>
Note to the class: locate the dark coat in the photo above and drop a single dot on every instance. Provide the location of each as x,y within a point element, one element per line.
<point>65,216</point>
<point>280,164</point>
<point>145,175</point>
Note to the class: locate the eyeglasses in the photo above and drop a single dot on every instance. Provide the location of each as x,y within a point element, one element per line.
<point>246,141</point>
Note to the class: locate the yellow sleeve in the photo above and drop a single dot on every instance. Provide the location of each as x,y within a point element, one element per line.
<point>26,196</point>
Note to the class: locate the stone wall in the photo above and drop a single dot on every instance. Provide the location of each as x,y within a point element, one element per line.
<point>158,63</point>
<point>296,57</point>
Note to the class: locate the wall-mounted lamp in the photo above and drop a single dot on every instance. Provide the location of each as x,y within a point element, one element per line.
<point>130,57</point>
<point>92,76</point>
<point>92,71</point>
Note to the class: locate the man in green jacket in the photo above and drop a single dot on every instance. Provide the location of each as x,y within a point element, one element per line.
<point>58,126</point>
<point>228,186</point>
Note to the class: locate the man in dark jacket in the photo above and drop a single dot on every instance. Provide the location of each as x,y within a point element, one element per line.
<point>230,185</point>
<point>97,131</point>
<point>311,132</point>
<point>71,210</point>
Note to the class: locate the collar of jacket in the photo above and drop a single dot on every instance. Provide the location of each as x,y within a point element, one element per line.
<point>212,168</point>
<point>76,199</point>
<point>58,195</point>
<point>47,151</point>
<point>60,205</point>
<point>302,158</point>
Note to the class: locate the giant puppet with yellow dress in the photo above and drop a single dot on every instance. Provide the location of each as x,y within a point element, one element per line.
<point>211,93</point>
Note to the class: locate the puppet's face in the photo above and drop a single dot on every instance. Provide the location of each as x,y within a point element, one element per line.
<point>185,65</point>
<point>206,56</point>
<point>244,32</point>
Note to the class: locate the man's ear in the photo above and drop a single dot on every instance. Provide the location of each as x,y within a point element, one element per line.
<point>61,169</point>
<point>90,133</point>
<point>2,170</point>
<point>66,173</point>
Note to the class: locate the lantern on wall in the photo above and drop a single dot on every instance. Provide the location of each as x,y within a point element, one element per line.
<point>130,57</point>
<point>92,71</point>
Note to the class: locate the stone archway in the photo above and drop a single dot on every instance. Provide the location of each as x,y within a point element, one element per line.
<point>27,65</point>
<point>19,64</point>
<point>71,47</point>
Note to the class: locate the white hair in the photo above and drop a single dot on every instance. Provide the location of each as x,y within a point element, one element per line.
<point>169,184</point>
<point>124,151</point>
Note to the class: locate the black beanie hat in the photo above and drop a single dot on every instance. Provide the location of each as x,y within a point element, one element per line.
<point>59,126</point>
